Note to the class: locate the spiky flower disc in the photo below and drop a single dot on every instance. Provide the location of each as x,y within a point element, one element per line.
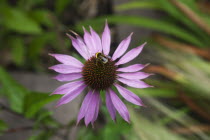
<point>99,72</point>
<point>98,75</point>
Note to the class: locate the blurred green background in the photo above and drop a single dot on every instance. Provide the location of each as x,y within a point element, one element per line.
<point>178,36</point>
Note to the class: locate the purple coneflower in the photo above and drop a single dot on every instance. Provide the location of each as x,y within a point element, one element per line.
<point>99,72</point>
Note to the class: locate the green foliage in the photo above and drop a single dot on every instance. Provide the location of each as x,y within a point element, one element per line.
<point>18,50</point>
<point>147,130</point>
<point>115,131</point>
<point>42,17</point>
<point>22,100</point>
<point>61,5</point>
<point>44,117</point>
<point>45,135</point>
<point>190,69</point>
<point>27,103</point>
<point>175,16</point>
<point>111,131</point>
<point>149,4</point>
<point>27,4</point>
<point>176,114</point>
<point>3,127</point>
<point>13,90</point>
<point>26,25</point>
<point>162,26</point>
<point>37,45</point>
<point>185,119</point>
<point>34,101</point>
<point>180,17</point>
<point>17,20</point>
<point>156,92</point>
<point>86,134</point>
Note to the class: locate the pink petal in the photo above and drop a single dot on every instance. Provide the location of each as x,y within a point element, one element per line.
<point>98,100</point>
<point>120,106</point>
<point>130,55</point>
<point>83,46</point>
<point>84,106</point>
<point>129,96</point>
<point>134,83</point>
<point>134,75</point>
<point>62,68</point>
<point>68,87</point>
<point>89,116</point>
<point>110,106</point>
<point>132,68</point>
<point>106,39</point>
<point>77,44</point>
<point>70,96</point>
<point>96,39</point>
<point>68,60</point>
<point>123,46</point>
<point>68,77</point>
<point>89,42</point>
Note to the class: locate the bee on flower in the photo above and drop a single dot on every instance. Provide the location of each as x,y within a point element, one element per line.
<point>100,72</point>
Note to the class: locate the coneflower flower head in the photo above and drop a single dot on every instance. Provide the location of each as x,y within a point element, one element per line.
<point>99,72</point>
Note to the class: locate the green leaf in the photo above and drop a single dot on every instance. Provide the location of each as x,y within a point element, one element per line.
<point>88,133</point>
<point>18,50</point>
<point>138,5</point>
<point>37,45</point>
<point>44,135</point>
<point>187,120</point>
<point>35,101</point>
<point>60,5</point>
<point>42,17</point>
<point>190,69</point>
<point>156,92</point>
<point>13,90</point>
<point>115,132</point>
<point>3,127</point>
<point>174,13</point>
<point>178,15</point>
<point>192,4</point>
<point>147,130</point>
<point>206,18</point>
<point>161,26</point>
<point>177,114</point>
<point>45,117</point>
<point>17,20</point>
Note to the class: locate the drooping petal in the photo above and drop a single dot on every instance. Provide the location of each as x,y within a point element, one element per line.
<point>84,106</point>
<point>130,55</point>
<point>132,68</point>
<point>96,39</point>
<point>68,77</point>
<point>120,106</point>
<point>134,75</point>
<point>98,99</point>
<point>123,46</point>
<point>83,46</point>
<point>89,116</point>
<point>110,106</point>
<point>129,96</point>
<point>68,87</point>
<point>70,96</point>
<point>89,42</point>
<point>68,60</point>
<point>134,83</point>
<point>62,68</point>
<point>106,39</point>
<point>80,49</point>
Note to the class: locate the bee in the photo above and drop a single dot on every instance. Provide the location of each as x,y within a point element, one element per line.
<point>102,58</point>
